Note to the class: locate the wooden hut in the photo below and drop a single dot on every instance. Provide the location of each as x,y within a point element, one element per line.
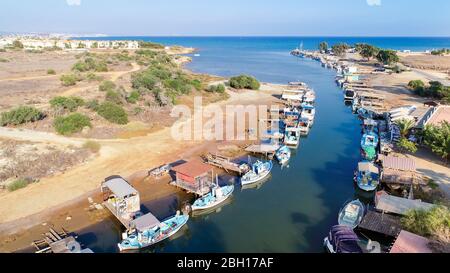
<point>194,176</point>
<point>121,199</point>
<point>408,242</point>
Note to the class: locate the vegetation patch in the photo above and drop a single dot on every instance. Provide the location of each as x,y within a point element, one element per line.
<point>438,139</point>
<point>70,104</point>
<point>71,124</point>
<point>113,113</point>
<point>21,115</point>
<point>434,89</point>
<point>433,223</point>
<point>245,82</point>
<point>90,64</point>
<point>220,88</point>
<point>151,45</point>
<point>92,146</point>
<point>17,185</point>
<point>70,79</point>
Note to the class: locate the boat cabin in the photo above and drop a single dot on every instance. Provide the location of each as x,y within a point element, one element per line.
<point>121,199</point>
<point>194,176</point>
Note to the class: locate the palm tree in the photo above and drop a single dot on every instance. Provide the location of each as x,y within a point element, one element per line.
<point>405,125</point>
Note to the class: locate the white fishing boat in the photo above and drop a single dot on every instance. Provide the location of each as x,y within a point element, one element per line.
<point>283,155</point>
<point>304,127</point>
<point>260,170</point>
<point>214,198</point>
<point>309,113</point>
<point>352,214</point>
<point>292,137</point>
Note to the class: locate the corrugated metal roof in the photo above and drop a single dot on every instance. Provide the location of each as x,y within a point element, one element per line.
<point>120,187</point>
<point>408,242</point>
<point>145,222</point>
<point>398,205</point>
<point>398,163</point>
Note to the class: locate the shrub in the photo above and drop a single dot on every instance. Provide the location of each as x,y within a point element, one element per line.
<point>90,64</point>
<point>2,50</point>
<point>137,110</point>
<point>416,84</point>
<point>18,184</point>
<point>197,84</point>
<point>20,115</point>
<point>92,146</point>
<point>387,57</point>
<point>2,60</point>
<point>133,97</point>
<point>70,79</point>
<point>435,222</point>
<point>106,86</point>
<point>51,72</point>
<point>92,105</point>
<point>244,82</point>
<point>113,96</point>
<point>71,124</point>
<point>143,44</point>
<point>220,88</point>
<point>17,44</point>
<point>93,77</point>
<point>438,139</point>
<point>407,146</point>
<point>113,113</point>
<point>70,104</point>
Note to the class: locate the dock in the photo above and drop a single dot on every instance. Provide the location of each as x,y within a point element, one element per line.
<point>225,163</point>
<point>381,223</point>
<point>58,242</point>
<point>268,150</point>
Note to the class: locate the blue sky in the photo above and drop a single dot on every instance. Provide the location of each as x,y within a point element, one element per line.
<point>229,17</point>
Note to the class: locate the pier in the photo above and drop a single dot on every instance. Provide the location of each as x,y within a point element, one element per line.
<point>226,164</point>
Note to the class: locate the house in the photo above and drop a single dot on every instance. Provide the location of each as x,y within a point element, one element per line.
<point>193,176</point>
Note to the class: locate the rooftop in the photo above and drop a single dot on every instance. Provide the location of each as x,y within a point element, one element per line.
<point>408,242</point>
<point>193,168</point>
<point>441,114</point>
<point>398,163</point>
<point>119,186</point>
<point>397,205</point>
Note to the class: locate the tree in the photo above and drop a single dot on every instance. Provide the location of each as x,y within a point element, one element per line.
<point>438,139</point>
<point>323,47</point>
<point>340,49</point>
<point>407,146</point>
<point>405,125</point>
<point>245,82</point>
<point>388,57</point>
<point>17,44</point>
<point>369,51</point>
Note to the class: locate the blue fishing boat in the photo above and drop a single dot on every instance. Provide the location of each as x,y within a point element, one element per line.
<point>214,198</point>
<point>259,171</point>
<point>342,239</point>
<point>283,155</point>
<point>352,214</point>
<point>367,177</point>
<point>147,230</point>
<point>370,126</point>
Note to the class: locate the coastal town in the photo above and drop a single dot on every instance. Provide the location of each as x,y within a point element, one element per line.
<point>87,134</point>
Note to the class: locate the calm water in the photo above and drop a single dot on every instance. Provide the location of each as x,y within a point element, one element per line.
<point>294,210</point>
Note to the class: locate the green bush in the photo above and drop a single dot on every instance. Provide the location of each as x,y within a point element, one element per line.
<point>438,139</point>
<point>93,77</point>
<point>220,88</point>
<point>70,79</point>
<point>133,97</point>
<point>407,146</point>
<point>73,123</point>
<point>92,105</point>
<point>197,84</point>
<point>20,115</point>
<point>143,44</point>
<point>114,97</point>
<point>244,82</point>
<point>70,104</point>
<point>113,113</point>
<point>3,60</point>
<point>17,44</point>
<point>106,86</point>
<point>416,84</point>
<point>90,64</point>
<point>18,184</point>
<point>51,72</point>
<point>434,222</point>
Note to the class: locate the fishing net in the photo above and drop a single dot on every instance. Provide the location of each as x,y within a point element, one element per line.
<point>370,153</point>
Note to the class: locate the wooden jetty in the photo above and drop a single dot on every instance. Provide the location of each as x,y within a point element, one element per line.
<point>58,242</point>
<point>381,223</point>
<point>268,150</point>
<point>226,164</point>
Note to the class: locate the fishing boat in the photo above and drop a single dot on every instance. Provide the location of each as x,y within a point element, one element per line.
<point>349,95</point>
<point>342,239</point>
<point>292,137</point>
<point>351,215</point>
<point>369,144</point>
<point>370,126</point>
<point>367,177</point>
<point>301,84</point>
<point>147,231</point>
<point>216,196</point>
<point>283,155</point>
<point>309,113</point>
<point>259,171</point>
<point>304,126</point>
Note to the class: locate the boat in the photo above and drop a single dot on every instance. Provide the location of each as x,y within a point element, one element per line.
<point>367,177</point>
<point>351,215</point>
<point>342,239</point>
<point>304,126</point>
<point>301,84</point>
<point>283,155</point>
<point>349,95</point>
<point>369,144</point>
<point>216,196</point>
<point>148,231</point>
<point>259,171</point>
<point>292,137</point>
<point>196,55</point>
<point>370,126</point>
<point>309,113</point>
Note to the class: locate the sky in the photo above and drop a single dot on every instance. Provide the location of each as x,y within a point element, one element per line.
<point>228,17</point>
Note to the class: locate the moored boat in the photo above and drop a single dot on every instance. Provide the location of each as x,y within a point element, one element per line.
<point>259,171</point>
<point>367,176</point>
<point>352,213</point>
<point>309,113</point>
<point>283,155</point>
<point>215,197</point>
<point>147,231</point>
<point>369,144</point>
<point>342,239</point>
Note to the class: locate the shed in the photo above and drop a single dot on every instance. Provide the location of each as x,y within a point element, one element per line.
<point>398,163</point>
<point>381,223</point>
<point>194,176</point>
<point>120,187</point>
<point>397,205</point>
<point>408,242</point>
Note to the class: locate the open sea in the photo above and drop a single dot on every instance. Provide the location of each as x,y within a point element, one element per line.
<point>294,210</point>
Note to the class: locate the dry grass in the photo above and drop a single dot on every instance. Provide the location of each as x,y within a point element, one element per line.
<point>92,146</point>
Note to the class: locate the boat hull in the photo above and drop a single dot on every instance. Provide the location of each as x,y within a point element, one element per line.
<point>256,180</point>
<point>213,204</point>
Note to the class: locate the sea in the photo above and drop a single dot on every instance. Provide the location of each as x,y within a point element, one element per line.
<point>294,210</point>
